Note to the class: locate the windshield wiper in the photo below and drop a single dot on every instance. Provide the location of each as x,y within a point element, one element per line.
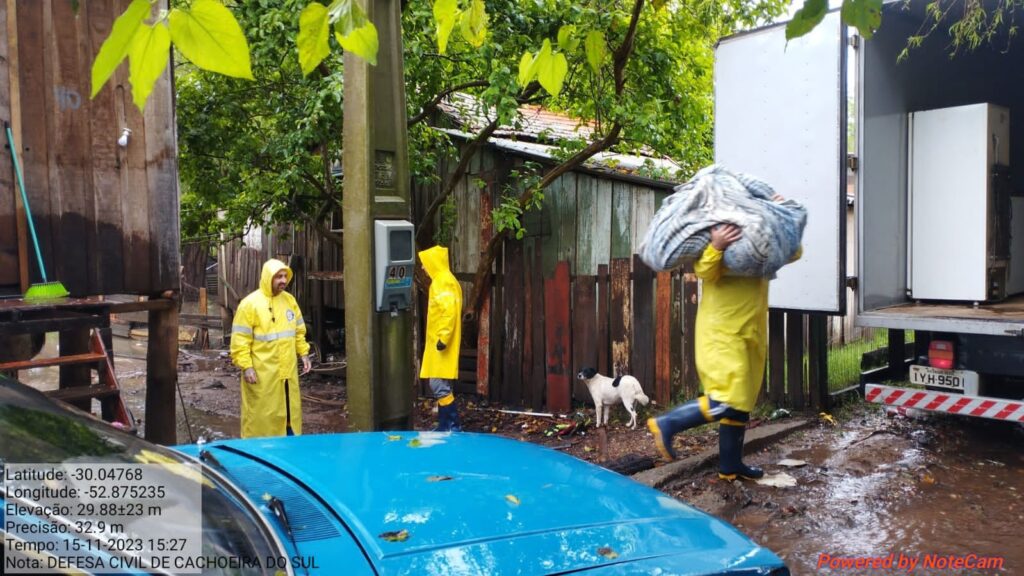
<point>277,507</point>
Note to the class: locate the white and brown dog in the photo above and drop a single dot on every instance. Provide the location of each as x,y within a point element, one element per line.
<point>607,391</point>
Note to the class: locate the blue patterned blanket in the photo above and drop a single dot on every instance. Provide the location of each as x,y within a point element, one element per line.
<point>681,228</point>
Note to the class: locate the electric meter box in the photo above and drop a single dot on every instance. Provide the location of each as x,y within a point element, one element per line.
<point>394,258</point>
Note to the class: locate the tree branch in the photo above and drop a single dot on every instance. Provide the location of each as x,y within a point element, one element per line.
<point>432,105</point>
<point>460,169</point>
<point>481,280</point>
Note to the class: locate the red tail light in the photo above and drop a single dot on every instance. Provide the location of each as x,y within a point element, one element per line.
<point>940,354</point>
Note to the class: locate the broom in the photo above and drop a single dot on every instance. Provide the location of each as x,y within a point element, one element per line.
<point>47,289</point>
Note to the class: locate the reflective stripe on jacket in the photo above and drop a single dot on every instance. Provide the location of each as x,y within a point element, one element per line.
<point>268,334</point>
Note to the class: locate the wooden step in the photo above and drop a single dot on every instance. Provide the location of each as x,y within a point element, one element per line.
<point>83,392</point>
<point>56,361</point>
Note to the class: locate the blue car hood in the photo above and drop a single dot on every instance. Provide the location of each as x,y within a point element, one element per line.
<point>440,503</point>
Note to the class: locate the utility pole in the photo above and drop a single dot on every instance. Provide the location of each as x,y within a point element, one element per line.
<point>376,209</point>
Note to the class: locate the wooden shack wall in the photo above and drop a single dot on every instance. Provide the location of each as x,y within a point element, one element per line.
<point>305,251</point>
<point>586,219</point>
<point>106,216</point>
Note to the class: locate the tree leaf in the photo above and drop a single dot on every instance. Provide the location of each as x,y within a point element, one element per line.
<point>395,536</point>
<point>596,49</point>
<point>553,73</point>
<point>567,39</point>
<point>211,38</point>
<point>865,15</point>
<point>362,42</point>
<point>806,18</point>
<point>115,48</point>
<point>474,23</point>
<point>149,55</point>
<point>446,14</point>
<point>527,70</point>
<point>314,28</point>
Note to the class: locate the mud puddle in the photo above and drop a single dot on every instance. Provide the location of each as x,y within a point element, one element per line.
<point>925,491</point>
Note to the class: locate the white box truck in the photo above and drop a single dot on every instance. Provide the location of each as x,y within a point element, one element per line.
<point>940,248</point>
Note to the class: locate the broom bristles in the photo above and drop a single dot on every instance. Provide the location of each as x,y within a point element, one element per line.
<point>46,291</point>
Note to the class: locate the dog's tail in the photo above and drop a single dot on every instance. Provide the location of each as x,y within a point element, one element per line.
<point>640,396</point>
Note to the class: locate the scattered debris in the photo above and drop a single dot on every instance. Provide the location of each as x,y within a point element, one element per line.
<point>791,463</point>
<point>779,480</point>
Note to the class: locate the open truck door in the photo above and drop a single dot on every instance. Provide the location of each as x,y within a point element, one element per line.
<point>780,115</point>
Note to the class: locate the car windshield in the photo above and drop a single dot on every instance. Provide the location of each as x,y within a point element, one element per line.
<point>35,430</point>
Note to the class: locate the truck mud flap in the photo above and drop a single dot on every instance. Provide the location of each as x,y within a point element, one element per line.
<point>963,405</point>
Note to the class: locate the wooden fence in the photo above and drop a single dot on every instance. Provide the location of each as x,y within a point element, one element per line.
<point>627,319</point>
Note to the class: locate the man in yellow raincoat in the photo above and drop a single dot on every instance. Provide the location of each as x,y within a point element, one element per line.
<point>443,335</point>
<point>731,347</point>
<point>267,337</point>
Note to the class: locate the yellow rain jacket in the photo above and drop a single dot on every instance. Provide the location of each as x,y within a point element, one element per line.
<point>444,317</point>
<point>268,335</point>
<point>731,333</point>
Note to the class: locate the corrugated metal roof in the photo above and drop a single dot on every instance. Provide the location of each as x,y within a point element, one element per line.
<point>621,166</point>
<point>534,122</point>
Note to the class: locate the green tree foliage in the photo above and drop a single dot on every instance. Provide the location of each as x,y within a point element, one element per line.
<point>259,152</point>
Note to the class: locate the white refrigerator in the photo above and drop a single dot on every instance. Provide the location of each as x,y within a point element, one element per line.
<point>959,215</point>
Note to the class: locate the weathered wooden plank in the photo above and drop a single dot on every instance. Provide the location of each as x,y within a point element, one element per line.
<point>565,206</point>
<point>586,229</point>
<point>162,376</point>
<point>777,357</point>
<point>558,339</point>
<point>795,359</point>
<point>643,213</point>
<point>135,197</point>
<point>602,236</point>
<point>584,332</point>
<point>622,221</point>
<point>537,364</point>
<point>621,316</point>
<point>12,267</point>
<point>691,379</point>
<point>161,173</point>
<point>513,324</point>
<point>663,338</point>
<point>642,345</point>
<point>108,270</point>
<point>549,224</point>
<point>486,231</point>
<point>528,314</point>
<point>817,354</point>
<point>34,65</point>
<point>603,326</point>
<point>478,218</point>
<point>677,327</point>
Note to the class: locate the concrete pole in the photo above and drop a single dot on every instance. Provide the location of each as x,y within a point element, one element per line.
<point>376,186</point>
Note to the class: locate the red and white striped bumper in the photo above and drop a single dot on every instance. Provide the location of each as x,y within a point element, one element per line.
<point>980,406</point>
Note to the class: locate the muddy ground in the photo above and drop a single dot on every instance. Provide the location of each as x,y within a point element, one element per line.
<point>872,484</point>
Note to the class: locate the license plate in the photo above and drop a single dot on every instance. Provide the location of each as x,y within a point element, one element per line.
<point>954,379</point>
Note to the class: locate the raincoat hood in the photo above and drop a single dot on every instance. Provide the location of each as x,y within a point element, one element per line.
<point>435,261</point>
<point>270,268</point>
